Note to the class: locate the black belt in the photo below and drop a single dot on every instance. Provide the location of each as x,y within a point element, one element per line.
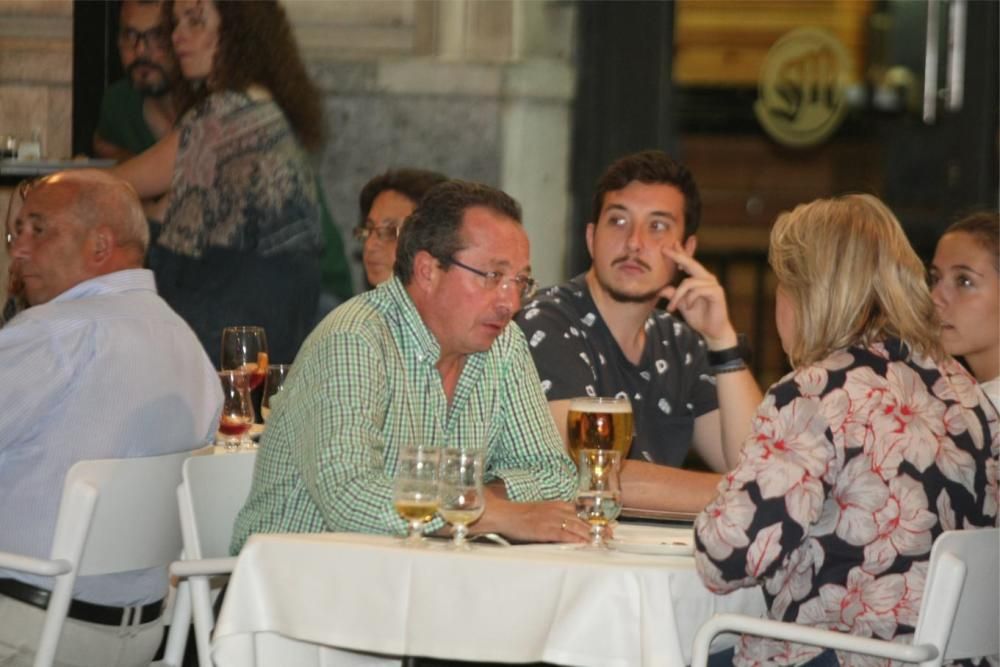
<point>80,610</point>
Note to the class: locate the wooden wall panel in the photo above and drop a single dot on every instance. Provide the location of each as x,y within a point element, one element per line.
<point>724,42</point>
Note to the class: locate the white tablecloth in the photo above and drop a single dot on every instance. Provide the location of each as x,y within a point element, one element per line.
<point>528,603</point>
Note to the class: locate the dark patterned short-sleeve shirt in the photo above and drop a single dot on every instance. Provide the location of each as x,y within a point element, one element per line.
<point>854,466</point>
<point>576,355</point>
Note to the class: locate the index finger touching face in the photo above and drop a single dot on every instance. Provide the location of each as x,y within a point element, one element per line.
<point>684,261</point>
<point>675,253</point>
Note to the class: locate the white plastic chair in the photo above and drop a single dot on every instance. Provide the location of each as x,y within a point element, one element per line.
<point>211,493</point>
<point>958,618</point>
<point>116,515</point>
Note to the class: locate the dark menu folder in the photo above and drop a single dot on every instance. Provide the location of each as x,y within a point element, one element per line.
<point>630,514</point>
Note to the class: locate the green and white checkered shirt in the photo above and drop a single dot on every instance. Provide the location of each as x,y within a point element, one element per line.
<point>365,384</point>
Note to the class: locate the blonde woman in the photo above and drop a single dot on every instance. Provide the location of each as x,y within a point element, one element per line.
<point>872,446</point>
<point>965,280</point>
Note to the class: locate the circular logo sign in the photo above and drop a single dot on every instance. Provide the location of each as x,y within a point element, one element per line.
<point>802,87</point>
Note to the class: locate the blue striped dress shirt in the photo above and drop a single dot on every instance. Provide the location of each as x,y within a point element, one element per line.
<point>104,370</point>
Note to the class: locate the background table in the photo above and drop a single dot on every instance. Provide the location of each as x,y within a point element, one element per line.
<point>12,171</point>
<point>529,603</point>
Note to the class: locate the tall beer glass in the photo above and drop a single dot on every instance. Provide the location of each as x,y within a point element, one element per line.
<point>599,423</point>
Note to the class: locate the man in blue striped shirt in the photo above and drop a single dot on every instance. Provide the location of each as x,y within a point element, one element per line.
<point>98,367</point>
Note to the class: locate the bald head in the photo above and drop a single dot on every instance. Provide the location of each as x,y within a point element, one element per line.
<point>73,226</point>
<point>101,198</point>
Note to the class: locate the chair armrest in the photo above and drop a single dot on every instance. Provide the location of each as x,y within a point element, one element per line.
<point>203,567</point>
<point>40,566</point>
<point>803,634</point>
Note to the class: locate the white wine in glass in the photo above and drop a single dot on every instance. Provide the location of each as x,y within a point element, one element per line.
<point>461,484</point>
<point>420,511</point>
<point>599,494</point>
<point>415,488</point>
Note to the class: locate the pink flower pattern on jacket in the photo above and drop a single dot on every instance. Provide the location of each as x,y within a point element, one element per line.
<point>854,466</point>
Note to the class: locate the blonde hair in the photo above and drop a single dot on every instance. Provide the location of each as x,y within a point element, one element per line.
<point>852,277</point>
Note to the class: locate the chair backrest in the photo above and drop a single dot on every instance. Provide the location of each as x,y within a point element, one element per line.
<point>962,587</point>
<point>118,515</point>
<point>213,490</point>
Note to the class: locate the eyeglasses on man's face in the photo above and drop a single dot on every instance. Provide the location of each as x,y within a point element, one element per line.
<point>524,286</point>
<point>154,38</point>
<point>384,233</point>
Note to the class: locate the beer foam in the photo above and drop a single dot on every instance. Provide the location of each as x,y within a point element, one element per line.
<point>595,405</point>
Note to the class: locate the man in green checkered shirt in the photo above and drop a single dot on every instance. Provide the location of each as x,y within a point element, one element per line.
<point>425,358</point>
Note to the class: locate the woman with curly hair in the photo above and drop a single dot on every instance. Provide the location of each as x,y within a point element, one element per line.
<point>240,238</point>
<point>873,445</point>
<point>965,284</point>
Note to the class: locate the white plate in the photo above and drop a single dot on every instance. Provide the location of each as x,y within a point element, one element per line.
<point>653,541</point>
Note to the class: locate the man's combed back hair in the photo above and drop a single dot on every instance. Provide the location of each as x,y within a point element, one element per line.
<point>652,167</point>
<point>257,46</point>
<point>435,225</point>
<point>852,277</point>
<point>411,183</point>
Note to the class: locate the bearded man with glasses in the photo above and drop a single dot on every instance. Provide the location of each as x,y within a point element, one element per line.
<point>138,110</point>
<point>426,358</point>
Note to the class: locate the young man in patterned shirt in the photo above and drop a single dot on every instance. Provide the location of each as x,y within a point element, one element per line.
<point>425,358</point>
<point>600,334</point>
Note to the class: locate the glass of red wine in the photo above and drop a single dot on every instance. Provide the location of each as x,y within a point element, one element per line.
<point>245,349</point>
<point>237,410</point>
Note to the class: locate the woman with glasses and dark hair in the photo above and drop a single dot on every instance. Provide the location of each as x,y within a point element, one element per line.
<point>386,200</point>
<point>240,241</point>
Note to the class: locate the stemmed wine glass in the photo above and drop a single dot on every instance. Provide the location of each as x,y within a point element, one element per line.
<point>273,384</point>
<point>415,488</point>
<point>599,495</point>
<point>237,410</point>
<point>245,349</point>
<point>461,484</point>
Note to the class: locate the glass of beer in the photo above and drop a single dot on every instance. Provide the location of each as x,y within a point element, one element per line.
<point>415,491</point>
<point>596,422</point>
<point>599,494</point>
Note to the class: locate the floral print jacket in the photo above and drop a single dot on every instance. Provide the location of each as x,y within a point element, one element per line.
<point>853,467</point>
